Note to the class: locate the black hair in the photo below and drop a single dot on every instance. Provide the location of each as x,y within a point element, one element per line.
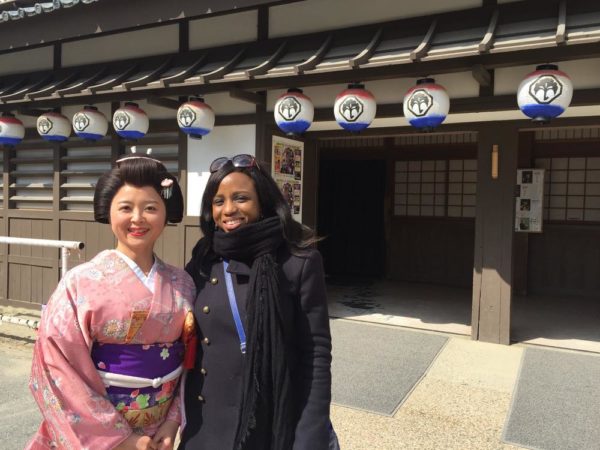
<point>271,202</point>
<point>138,172</point>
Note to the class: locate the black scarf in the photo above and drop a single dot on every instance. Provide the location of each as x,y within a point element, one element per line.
<point>266,417</point>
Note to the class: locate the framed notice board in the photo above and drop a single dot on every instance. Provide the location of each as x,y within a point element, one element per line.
<point>529,205</point>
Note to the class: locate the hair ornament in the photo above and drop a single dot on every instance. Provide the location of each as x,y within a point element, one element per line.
<point>167,188</point>
<point>134,155</point>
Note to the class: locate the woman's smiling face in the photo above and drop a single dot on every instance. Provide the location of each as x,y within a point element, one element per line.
<point>236,202</point>
<point>137,218</point>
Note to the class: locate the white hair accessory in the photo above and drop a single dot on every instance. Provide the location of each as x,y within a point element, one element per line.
<point>133,149</point>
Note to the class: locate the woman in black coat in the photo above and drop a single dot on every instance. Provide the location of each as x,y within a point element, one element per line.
<point>265,383</point>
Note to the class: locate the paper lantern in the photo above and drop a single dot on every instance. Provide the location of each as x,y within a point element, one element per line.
<point>426,105</point>
<point>54,127</point>
<point>130,122</point>
<point>195,118</point>
<point>545,93</point>
<point>12,130</point>
<point>355,108</point>
<point>294,112</point>
<point>90,124</point>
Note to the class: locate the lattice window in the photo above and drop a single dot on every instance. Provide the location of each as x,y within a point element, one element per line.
<point>440,188</point>
<point>32,178</point>
<point>571,189</point>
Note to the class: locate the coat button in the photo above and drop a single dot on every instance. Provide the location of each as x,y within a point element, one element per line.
<point>201,399</point>
<point>206,341</point>
<point>203,371</point>
<point>206,310</point>
<point>214,280</point>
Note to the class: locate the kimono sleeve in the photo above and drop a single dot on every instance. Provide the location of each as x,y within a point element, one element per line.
<point>314,344</point>
<point>186,289</point>
<point>64,381</point>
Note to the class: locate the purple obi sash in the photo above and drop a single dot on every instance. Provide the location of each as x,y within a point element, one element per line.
<point>150,362</point>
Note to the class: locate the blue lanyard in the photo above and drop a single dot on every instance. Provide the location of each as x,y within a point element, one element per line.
<point>234,309</point>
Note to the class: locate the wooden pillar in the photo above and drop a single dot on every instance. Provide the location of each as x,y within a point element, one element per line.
<point>492,272</point>
<point>521,240</point>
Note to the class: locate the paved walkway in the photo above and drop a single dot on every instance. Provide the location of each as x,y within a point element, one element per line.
<point>461,403</point>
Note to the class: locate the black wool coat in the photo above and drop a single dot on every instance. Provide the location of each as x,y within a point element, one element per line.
<point>213,389</point>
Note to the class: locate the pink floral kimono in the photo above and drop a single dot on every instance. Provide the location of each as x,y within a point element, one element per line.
<point>109,354</point>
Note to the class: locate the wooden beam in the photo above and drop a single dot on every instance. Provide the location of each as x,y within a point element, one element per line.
<point>561,29</point>
<point>364,55</point>
<point>221,71</point>
<point>184,73</point>
<point>269,63</point>
<point>481,75</point>
<point>488,39</point>
<point>250,97</point>
<point>315,59</point>
<point>149,77</point>
<point>113,81</point>
<point>168,103</point>
<point>31,112</point>
<point>425,44</point>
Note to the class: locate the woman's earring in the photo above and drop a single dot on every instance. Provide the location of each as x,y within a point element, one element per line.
<point>216,227</point>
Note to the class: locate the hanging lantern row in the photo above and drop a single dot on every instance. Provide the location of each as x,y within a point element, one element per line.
<point>543,95</point>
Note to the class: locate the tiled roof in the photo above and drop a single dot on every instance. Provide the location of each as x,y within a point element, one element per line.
<point>15,13</point>
<point>492,40</point>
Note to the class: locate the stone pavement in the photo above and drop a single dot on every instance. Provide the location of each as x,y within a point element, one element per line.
<point>461,403</point>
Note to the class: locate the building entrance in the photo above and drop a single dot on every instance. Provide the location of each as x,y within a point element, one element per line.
<point>351,217</point>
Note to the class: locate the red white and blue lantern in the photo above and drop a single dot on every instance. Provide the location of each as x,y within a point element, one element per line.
<point>90,124</point>
<point>426,105</point>
<point>54,127</point>
<point>294,112</point>
<point>545,93</point>
<point>12,130</point>
<point>130,122</point>
<point>355,108</point>
<point>195,118</point>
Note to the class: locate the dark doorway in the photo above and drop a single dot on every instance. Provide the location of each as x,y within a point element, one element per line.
<point>351,217</point>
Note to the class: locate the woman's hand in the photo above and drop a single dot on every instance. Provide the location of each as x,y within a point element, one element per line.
<point>164,439</point>
<point>137,442</point>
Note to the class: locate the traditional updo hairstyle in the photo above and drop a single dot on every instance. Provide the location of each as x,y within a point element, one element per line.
<point>138,171</point>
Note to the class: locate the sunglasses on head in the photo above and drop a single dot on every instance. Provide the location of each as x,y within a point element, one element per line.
<point>242,160</point>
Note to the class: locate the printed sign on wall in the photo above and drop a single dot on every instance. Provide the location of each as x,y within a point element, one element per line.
<point>529,203</point>
<point>287,165</point>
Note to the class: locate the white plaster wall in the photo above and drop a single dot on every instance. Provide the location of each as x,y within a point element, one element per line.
<point>317,15</point>
<point>222,141</point>
<point>583,73</point>
<point>133,44</point>
<point>458,85</point>
<point>157,112</point>
<point>223,104</point>
<point>223,30</point>
<point>27,61</point>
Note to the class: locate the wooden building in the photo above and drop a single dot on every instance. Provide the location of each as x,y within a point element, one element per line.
<point>410,205</point>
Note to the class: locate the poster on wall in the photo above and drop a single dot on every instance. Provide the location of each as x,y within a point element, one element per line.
<point>529,202</point>
<point>287,164</point>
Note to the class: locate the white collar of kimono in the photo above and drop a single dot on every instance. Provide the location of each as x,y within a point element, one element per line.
<point>147,280</point>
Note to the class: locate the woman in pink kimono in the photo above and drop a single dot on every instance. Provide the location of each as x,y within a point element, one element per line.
<point>112,339</point>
